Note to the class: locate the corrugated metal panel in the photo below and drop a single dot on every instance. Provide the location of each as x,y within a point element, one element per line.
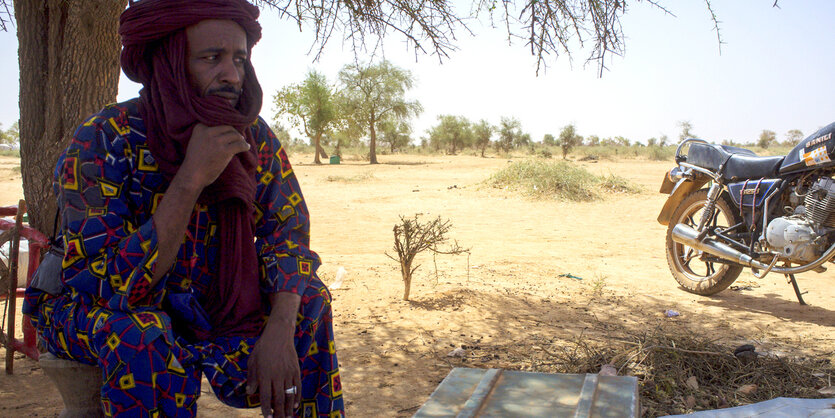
<point>466,393</point>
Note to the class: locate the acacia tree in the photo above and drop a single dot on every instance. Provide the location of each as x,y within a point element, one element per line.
<point>793,136</point>
<point>452,132</point>
<point>569,139</point>
<point>311,105</point>
<point>767,137</point>
<point>482,132</point>
<point>686,130</point>
<point>510,133</point>
<point>395,134</point>
<point>375,93</point>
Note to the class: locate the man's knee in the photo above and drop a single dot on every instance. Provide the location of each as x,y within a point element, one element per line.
<point>118,336</point>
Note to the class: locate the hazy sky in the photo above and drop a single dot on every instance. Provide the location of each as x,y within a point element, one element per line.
<point>775,72</point>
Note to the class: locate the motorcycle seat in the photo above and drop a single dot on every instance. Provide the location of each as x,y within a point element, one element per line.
<point>740,163</point>
<point>742,167</point>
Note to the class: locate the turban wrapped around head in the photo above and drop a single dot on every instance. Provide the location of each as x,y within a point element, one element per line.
<point>155,49</point>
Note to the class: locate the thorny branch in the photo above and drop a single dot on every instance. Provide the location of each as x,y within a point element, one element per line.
<point>549,27</point>
<point>6,16</point>
<point>411,237</point>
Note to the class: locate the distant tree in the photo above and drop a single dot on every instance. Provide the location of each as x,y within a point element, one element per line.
<point>482,132</point>
<point>522,141</point>
<point>766,138</point>
<point>374,93</point>
<point>621,141</point>
<point>686,130</point>
<point>394,134</point>
<point>652,142</point>
<point>793,136</point>
<point>4,137</point>
<point>549,140</point>
<point>510,129</point>
<point>593,140</point>
<point>281,133</point>
<point>569,139</point>
<point>310,105</point>
<point>662,141</point>
<point>452,132</point>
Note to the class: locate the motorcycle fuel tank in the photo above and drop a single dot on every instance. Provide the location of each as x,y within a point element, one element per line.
<point>815,151</point>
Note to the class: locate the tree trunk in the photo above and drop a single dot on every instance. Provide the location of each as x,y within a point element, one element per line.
<point>372,146</point>
<point>316,148</point>
<point>69,68</point>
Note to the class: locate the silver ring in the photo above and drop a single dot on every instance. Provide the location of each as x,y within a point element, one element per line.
<point>291,390</point>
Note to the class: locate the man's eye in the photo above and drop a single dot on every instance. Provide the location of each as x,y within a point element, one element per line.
<point>240,60</point>
<point>210,58</point>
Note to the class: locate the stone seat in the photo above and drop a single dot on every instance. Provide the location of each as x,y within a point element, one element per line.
<point>78,383</point>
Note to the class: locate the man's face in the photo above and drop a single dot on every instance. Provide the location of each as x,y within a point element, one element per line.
<point>216,56</point>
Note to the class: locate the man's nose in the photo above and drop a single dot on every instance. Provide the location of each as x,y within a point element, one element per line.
<point>230,73</point>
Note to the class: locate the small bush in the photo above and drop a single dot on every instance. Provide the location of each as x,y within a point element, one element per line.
<point>661,153</point>
<point>618,184</point>
<point>560,179</point>
<point>359,178</point>
<point>10,153</point>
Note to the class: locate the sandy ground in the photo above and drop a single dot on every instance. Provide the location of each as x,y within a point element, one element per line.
<point>505,304</point>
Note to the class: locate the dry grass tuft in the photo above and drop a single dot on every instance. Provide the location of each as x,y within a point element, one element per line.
<point>664,363</point>
<point>561,180</point>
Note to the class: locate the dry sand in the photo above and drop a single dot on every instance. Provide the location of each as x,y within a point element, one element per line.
<point>506,303</point>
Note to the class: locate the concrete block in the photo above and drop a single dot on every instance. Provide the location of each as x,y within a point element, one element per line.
<point>78,383</point>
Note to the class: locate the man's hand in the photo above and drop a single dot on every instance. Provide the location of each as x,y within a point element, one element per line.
<point>273,366</point>
<point>209,152</point>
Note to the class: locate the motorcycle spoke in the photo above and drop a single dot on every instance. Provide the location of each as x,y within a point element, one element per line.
<point>690,220</point>
<point>691,254</point>
<point>710,269</point>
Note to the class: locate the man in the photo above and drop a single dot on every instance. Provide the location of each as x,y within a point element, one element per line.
<point>186,235</point>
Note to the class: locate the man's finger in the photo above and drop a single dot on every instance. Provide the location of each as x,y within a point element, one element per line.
<point>289,400</point>
<point>266,401</point>
<point>278,399</point>
<point>237,145</point>
<point>251,376</point>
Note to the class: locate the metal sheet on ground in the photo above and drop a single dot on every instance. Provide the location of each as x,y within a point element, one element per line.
<point>501,393</point>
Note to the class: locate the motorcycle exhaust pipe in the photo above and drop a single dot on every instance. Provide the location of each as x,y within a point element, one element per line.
<point>688,236</point>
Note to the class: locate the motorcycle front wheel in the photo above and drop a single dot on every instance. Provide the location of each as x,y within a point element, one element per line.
<point>696,275</point>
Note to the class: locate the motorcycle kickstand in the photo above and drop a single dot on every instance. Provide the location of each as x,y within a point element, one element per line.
<point>796,289</point>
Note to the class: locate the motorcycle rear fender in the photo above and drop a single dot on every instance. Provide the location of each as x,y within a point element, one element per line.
<point>679,191</point>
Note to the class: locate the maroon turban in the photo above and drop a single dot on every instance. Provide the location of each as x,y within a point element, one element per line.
<point>155,54</point>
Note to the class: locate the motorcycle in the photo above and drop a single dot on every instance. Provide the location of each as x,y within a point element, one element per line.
<point>729,209</point>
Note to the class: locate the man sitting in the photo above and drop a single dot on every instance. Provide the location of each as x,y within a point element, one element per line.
<point>186,235</point>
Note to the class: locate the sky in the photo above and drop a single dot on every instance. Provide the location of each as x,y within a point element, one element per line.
<point>775,72</point>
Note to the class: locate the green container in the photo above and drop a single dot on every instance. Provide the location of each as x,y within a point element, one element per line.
<point>334,159</point>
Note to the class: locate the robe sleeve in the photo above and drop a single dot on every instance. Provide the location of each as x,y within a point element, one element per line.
<point>283,221</point>
<point>107,255</point>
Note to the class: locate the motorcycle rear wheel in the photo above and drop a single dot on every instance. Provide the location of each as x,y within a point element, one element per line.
<point>698,276</point>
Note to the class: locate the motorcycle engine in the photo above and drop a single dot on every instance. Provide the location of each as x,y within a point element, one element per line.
<point>799,237</point>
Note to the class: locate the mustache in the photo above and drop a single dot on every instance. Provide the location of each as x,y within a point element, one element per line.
<point>225,89</point>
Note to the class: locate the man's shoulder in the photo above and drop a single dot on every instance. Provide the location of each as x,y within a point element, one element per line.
<point>115,119</point>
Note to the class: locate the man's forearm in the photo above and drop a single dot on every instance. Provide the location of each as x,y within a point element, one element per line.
<point>171,220</point>
<point>285,308</point>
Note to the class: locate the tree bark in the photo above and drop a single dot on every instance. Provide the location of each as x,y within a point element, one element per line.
<point>372,146</point>
<point>69,68</point>
<point>319,151</point>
